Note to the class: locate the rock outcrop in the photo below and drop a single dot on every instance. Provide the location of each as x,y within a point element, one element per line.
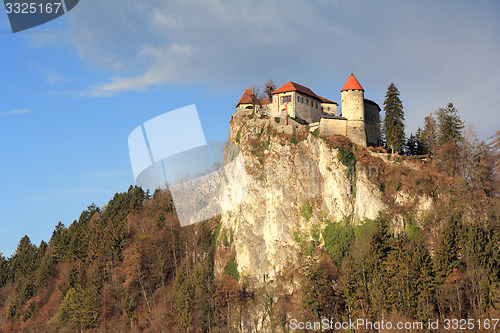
<point>293,183</point>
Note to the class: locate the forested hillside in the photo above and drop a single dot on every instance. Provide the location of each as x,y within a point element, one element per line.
<point>130,267</point>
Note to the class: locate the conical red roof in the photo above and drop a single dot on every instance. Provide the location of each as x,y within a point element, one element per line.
<point>352,84</point>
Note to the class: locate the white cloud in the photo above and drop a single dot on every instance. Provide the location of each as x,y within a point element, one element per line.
<point>435,52</point>
<point>17,112</point>
<point>169,66</point>
<point>51,77</point>
<point>163,20</point>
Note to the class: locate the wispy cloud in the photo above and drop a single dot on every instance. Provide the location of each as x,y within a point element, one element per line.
<point>17,112</point>
<point>317,43</point>
<point>51,76</point>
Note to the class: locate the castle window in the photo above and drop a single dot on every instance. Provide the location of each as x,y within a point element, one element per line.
<point>328,108</point>
<point>302,99</point>
<point>286,99</point>
<point>298,99</point>
<point>307,101</point>
<point>316,105</point>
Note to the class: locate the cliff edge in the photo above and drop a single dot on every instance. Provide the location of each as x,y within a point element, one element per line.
<point>297,182</point>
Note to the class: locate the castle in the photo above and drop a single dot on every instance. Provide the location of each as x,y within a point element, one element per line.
<point>360,121</point>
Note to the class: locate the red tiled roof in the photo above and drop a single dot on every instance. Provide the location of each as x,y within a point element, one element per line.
<point>352,84</point>
<point>246,98</point>
<point>292,86</point>
<point>326,100</point>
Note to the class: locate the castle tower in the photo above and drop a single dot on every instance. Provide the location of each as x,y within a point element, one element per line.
<point>353,109</point>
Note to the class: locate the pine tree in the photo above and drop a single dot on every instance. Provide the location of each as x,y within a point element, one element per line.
<point>393,121</point>
<point>183,295</point>
<point>450,135</point>
<point>4,270</point>
<point>429,136</point>
<point>59,242</point>
<point>422,280</point>
<point>380,242</point>
<point>446,253</point>
<point>421,147</point>
<point>397,266</point>
<point>380,246</point>
<point>411,145</point>
<point>23,262</point>
<point>450,125</point>
<point>80,307</point>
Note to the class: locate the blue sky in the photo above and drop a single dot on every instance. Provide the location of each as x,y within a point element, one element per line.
<point>73,89</point>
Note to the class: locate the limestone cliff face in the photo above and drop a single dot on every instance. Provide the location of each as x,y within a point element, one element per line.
<point>293,182</point>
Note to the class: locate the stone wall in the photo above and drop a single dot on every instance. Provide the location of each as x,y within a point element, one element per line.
<point>329,109</point>
<point>313,126</point>
<point>301,106</point>
<point>356,132</point>
<point>372,123</point>
<point>333,126</point>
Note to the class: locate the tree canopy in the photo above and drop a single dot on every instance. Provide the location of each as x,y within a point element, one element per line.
<point>394,120</point>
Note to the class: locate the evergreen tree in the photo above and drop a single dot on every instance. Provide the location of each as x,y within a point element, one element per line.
<point>397,269</point>
<point>446,253</point>
<point>380,246</point>
<point>380,242</point>
<point>450,135</point>
<point>421,147</point>
<point>59,242</point>
<point>393,121</point>
<point>422,280</point>
<point>411,145</point>
<point>24,262</point>
<point>429,135</point>
<point>4,270</point>
<point>353,288</point>
<point>450,125</point>
<point>44,271</point>
<point>183,295</point>
<point>80,307</point>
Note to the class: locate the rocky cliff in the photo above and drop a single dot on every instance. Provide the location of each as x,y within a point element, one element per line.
<point>297,181</point>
